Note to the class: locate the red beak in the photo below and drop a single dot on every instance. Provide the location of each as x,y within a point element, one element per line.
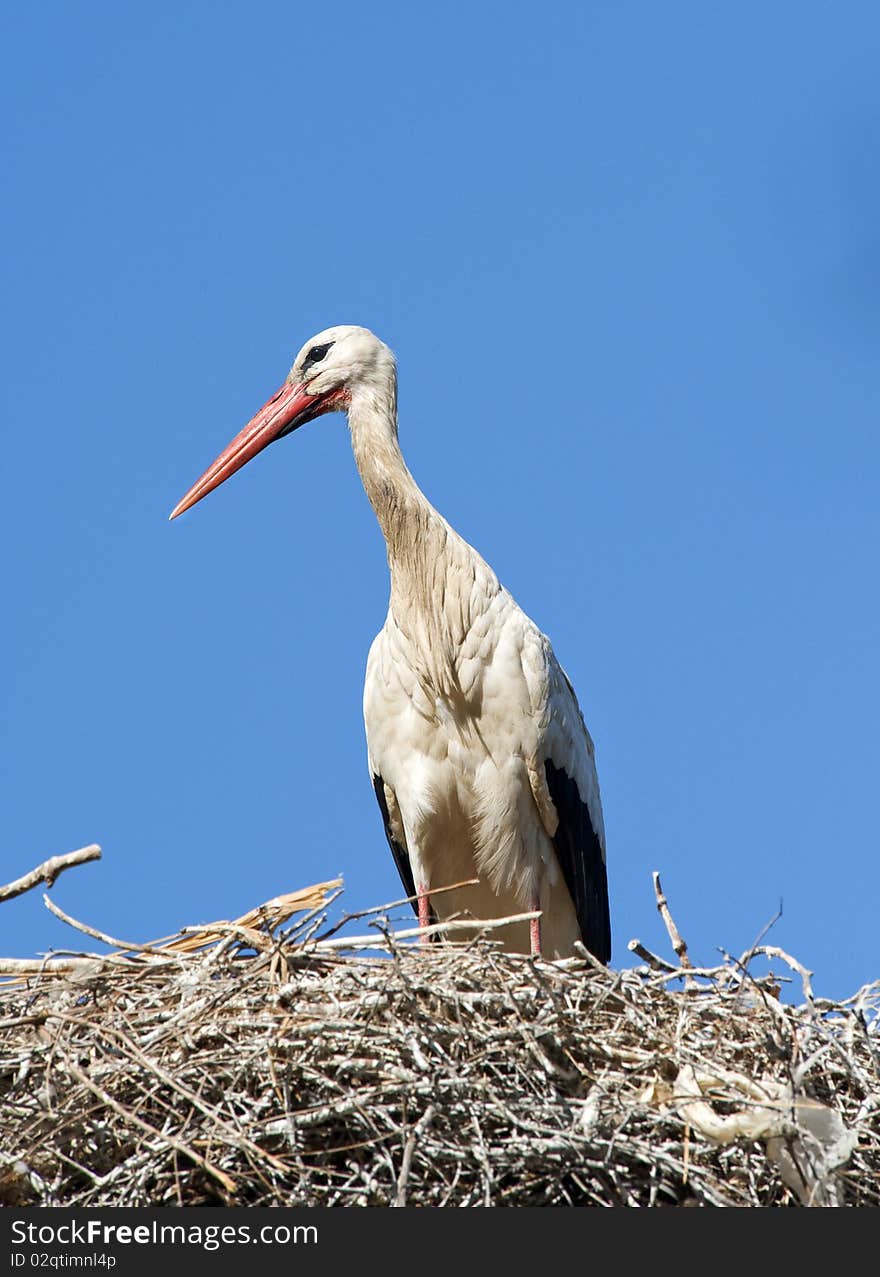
<point>289,407</point>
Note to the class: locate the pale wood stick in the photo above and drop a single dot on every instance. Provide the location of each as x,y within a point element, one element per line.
<point>679,947</point>
<point>403,1179</point>
<point>658,964</point>
<point>49,870</point>
<point>48,966</point>
<point>773,951</point>
<point>584,953</point>
<point>413,933</point>
<point>96,934</point>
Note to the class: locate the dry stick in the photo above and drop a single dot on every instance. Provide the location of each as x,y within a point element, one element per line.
<point>418,933</point>
<point>99,935</point>
<point>678,945</point>
<point>302,923</point>
<point>584,957</point>
<point>658,964</point>
<point>20,967</point>
<point>759,940</point>
<point>755,947</point>
<point>49,870</point>
<point>719,975</point>
<point>773,951</point>
<point>403,1179</point>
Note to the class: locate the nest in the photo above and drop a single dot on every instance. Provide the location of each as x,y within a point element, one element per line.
<point>280,1060</point>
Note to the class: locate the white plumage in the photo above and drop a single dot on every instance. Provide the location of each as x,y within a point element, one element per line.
<point>479,755</point>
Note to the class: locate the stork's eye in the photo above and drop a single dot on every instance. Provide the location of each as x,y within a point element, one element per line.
<point>315,355</point>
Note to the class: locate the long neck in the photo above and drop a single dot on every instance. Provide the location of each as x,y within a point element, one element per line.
<point>400,505</point>
<point>432,568</point>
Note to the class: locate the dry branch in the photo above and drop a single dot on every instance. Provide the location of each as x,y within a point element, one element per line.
<point>49,870</point>
<point>679,947</point>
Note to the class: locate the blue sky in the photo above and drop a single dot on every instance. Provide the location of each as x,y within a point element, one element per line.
<point>629,258</point>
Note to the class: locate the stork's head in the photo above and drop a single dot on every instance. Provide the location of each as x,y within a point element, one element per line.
<point>334,369</point>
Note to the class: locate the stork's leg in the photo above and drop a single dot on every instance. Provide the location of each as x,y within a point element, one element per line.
<point>535,928</point>
<point>424,913</point>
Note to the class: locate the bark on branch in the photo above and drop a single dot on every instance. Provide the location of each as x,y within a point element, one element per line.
<point>49,870</point>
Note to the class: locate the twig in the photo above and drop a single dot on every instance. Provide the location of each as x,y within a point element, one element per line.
<point>589,958</point>
<point>678,945</point>
<point>403,1179</point>
<point>19,967</point>
<point>414,933</point>
<point>49,870</point>
<point>658,964</point>
<point>759,940</point>
<point>99,935</point>
<point>773,951</point>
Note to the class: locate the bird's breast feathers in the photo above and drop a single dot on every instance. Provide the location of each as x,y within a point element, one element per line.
<point>498,702</point>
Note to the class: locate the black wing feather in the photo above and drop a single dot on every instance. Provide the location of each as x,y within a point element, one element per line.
<point>398,851</point>
<point>579,853</point>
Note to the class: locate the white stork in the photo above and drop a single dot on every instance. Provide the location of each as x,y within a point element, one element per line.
<point>480,759</point>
